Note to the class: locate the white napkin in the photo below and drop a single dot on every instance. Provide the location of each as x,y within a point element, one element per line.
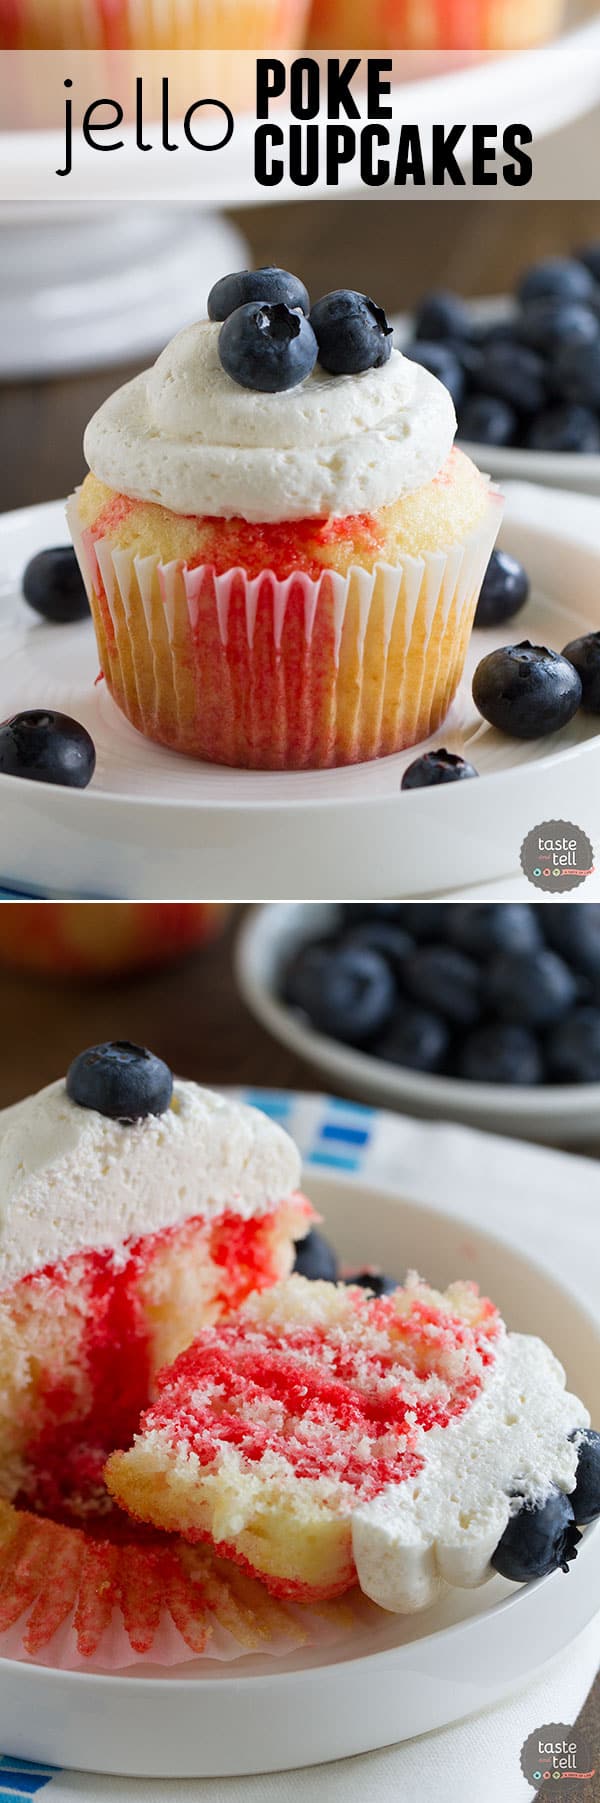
<point>547,1201</point>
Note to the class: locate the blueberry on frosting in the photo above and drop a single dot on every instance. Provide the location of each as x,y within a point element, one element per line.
<point>538,1541</point>
<point>267,342</point>
<point>121,1080</point>
<point>586,1495</point>
<point>267,346</point>
<point>266,284</point>
<point>353,333</point>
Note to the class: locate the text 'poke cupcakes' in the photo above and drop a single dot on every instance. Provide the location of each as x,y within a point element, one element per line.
<point>282,550</point>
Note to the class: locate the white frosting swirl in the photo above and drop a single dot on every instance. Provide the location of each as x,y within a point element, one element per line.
<point>442,1526</point>
<point>70,1178</point>
<point>183,434</point>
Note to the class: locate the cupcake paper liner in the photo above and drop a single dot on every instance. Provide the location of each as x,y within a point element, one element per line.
<point>261,673</point>
<point>158,24</point>
<point>74,1601</point>
<point>433,24</point>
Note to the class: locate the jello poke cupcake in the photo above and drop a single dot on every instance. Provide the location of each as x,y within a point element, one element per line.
<point>282,549</point>
<point>432,24</point>
<point>324,1435</point>
<point>134,1209</point>
<point>144,25</point>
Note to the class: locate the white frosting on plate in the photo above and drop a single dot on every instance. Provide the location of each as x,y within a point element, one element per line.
<point>70,1178</point>
<point>444,1524</point>
<point>185,435</point>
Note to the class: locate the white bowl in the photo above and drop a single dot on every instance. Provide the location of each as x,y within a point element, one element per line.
<point>407,1675</point>
<point>566,1114</point>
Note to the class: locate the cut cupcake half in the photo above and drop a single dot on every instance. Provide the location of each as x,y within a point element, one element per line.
<point>324,1435</point>
<point>120,1238</point>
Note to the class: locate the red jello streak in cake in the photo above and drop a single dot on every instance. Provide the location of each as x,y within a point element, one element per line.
<point>283,546</point>
<point>346,1393</point>
<point>68,1448</point>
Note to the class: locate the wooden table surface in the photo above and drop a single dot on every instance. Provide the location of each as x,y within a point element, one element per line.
<point>191,1014</point>
<point>393,249</point>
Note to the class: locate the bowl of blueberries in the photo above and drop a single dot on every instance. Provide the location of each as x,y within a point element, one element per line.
<point>523,372</point>
<point>488,1014</point>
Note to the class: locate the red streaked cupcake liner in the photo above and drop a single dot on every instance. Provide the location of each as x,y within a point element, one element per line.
<point>74,1601</point>
<point>260,673</point>
<point>208,25</point>
<point>433,24</point>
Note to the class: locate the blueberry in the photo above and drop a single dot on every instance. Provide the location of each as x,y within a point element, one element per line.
<point>384,937</point>
<point>590,257</point>
<point>53,585</point>
<point>120,1080</point>
<point>573,1051</point>
<point>547,324</point>
<point>584,654</point>
<point>526,690</point>
<point>352,332</point>
<point>315,1258</point>
<point>585,1498</point>
<point>500,1052</point>
<point>442,315</point>
<point>346,992</point>
<point>538,1541</point>
<point>536,989</point>
<point>482,928</point>
<point>565,428</point>
<point>446,980</point>
<point>576,374</point>
<point>267,348</point>
<point>503,592</point>
<point>417,1039</point>
<point>423,920</point>
<point>485,419</point>
<point>575,931</point>
<point>266,284</point>
<point>47,748</point>
<point>374,1281</point>
<point>469,356</point>
<point>353,914</point>
<point>441,362</point>
<point>436,767</point>
<point>563,277</point>
<point>492,331</point>
<point>516,375</point>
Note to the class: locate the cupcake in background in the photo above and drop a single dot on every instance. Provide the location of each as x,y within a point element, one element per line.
<point>282,550</point>
<point>152,24</point>
<point>432,24</point>
<point>99,939</point>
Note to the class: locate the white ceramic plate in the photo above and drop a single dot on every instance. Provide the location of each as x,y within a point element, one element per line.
<point>552,468</point>
<point>566,1114</point>
<point>404,1677</point>
<point>154,824</point>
